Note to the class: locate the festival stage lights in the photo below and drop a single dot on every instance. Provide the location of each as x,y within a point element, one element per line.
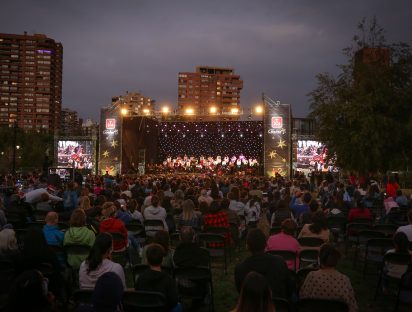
<point>146,111</point>
<point>189,111</point>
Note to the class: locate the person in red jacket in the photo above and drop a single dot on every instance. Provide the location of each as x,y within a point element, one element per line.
<point>359,212</point>
<point>112,225</point>
<point>391,187</point>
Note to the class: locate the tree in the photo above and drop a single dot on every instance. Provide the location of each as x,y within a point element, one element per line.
<point>364,116</point>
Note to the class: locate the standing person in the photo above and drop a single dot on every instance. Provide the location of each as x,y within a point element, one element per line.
<point>255,295</point>
<point>70,198</point>
<point>99,262</point>
<point>328,283</point>
<point>273,268</point>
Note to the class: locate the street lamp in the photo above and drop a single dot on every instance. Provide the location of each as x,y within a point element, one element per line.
<point>259,109</point>
<point>124,111</point>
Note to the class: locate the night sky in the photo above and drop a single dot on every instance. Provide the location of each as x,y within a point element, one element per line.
<point>277,47</point>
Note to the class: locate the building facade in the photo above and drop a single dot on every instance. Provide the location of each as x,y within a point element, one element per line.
<point>134,103</point>
<point>30,82</point>
<point>210,91</point>
<point>69,122</point>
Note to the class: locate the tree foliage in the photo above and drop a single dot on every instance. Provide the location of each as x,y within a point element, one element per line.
<point>364,115</point>
<point>31,152</point>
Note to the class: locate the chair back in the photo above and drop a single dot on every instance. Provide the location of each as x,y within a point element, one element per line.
<point>310,241</point>
<point>275,230</point>
<point>387,229</point>
<point>287,255</point>
<point>366,235</point>
<point>144,301</point>
<point>362,220</point>
<point>77,249</point>
<point>397,258</point>
<point>135,227</point>
<point>310,305</point>
<point>83,296</point>
<point>281,304</point>
<point>152,226</point>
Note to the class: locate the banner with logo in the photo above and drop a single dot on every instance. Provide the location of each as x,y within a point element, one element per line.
<point>277,142</point>
<point>110,141</point>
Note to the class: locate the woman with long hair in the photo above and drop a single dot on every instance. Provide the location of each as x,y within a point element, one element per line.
<point>99,262</point>
<point>318,227</point>
<point>255,295</point>
<point>189,217</point>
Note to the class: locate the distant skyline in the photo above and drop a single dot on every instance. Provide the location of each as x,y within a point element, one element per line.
<point>276,46</point>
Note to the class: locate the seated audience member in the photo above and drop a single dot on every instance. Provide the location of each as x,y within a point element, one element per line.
<point>328,283</point>
<point>9,250</point>
<point>162,238</point>
<point>98,262</point>
<point>78,234</point>
<point>285,240</point>
<point>359,212</point>
<point>43,204</point>
<point>133,207</point>
<point>54,236</point>
<point>235,204</point>
<point>300,203</point>
<point>189,217</point>
<point>401,243</point>
<point>217,218</point>
<point>35,253</point>
<point>401,199</point>
<point>156,280</point>
<point>255,295</point>
<point>155,212</point>
<point>189,253</point>
<point>110,224</point>
<point>281,213</point>
<point>389,203</point>
<point>272,267</point>
<point>407,229</point>
<point>29,292</point>
<point>204,197</point>
<point>318,228</point>
<point>306,217</point>
<point>252,211</point>
<point>107,294</point>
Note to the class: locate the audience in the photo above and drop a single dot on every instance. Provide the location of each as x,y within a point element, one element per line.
<point>285,240</point>
<point>255,295</point>
<point>54,236</point>
<point>110,224</point>
<point>189,217</point>
<point>359,212</point>
<point>273,268</point>
<point>156,280</point>
<point>189,253</point>
<point>328,283</point>
<point>99,262</point>
<point>9,250</point>
<point>107,294</point>
<point>407,229</point>
<point>155,212</point>
<point>162,238</point>
<point>318,228</point>
<point>78,234</point>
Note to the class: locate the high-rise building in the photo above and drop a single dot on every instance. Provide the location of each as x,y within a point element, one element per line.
<point>210,91</point>
<point>30,82</point>
<point>69,122</point>
<point>134,103</point>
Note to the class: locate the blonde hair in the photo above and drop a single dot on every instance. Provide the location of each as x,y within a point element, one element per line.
<point>8,240</point>
<point>108,209</point>
<point>84,202</point>
<point>188,209</point>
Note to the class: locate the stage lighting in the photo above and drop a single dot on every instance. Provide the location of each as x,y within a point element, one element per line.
<point>165,110</point>
<point>259,109</point>
<point>124,111</point>
<point>213,110</point>
<point>189,111</point>
<point>146,111</point>
<point>234,111</point>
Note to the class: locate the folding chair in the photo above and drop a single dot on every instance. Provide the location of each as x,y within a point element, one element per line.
<point>39,215</point>
<point>152,226</point>
<point>387,229</point>
<point>404,294</point>
<point>337,226</point>
<point>216,245</point>
<point>395,259</point>
<point>195,283</point>
<point>226,232</point>
<point>363,237</point>
<point>120,256</point>
<point>281,304</point>
<point>375,251</point>
<point>309,255</point>
<point>310,305</point>
<point>362,220</point>
<point>144,301</point>
<point>138,231</point>
<point>352,232</point>
<point>287,255</point>
<point>83,297</point>
<point>275,230</point>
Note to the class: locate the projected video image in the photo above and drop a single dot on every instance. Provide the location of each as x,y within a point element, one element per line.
<point>75,154</point>
<point>313,155</point>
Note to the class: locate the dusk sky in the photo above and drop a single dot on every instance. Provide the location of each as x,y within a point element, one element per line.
<point>277,47</point>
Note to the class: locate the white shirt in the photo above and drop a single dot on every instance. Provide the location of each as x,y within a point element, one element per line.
<point>407,229</point>
<point>88,280</point>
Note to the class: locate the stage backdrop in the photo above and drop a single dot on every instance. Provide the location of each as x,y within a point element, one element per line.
<point>110,141</point>
<point>277,142</point>
<point>140,143</point>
